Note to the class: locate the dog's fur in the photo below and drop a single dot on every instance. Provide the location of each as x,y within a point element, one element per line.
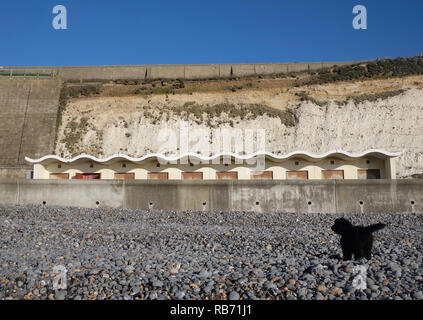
<point>355,240</point>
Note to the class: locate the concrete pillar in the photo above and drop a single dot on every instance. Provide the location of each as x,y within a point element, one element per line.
<point>390,168</point>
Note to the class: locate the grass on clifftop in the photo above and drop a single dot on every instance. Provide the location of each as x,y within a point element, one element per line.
<point>370,97</point>
<point>384,68</point>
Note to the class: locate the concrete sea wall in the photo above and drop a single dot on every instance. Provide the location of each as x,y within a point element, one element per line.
<point>180,71</point>
<point>329,196</point>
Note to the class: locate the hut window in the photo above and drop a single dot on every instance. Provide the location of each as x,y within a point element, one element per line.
<point>59,166</point>
<point>332,162</point>
<point>297,163</point>
<point>123,165</point>
<point>91,165</point>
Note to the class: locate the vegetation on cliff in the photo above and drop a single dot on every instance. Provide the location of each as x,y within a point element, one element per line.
<point>206,114</point>
<point>381,68</point>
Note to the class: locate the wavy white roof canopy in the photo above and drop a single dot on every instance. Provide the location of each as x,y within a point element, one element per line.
<point>191,155</point>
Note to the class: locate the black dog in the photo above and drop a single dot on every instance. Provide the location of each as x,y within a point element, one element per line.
<point>355,240</point>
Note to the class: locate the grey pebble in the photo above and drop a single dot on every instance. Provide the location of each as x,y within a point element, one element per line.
<point>319,296</point>
<point>153,295</point>
<point>234,296</point>
<point>60,295</point>
<point>157,283</point>
<point>418,295</point>
<point>179,295</point>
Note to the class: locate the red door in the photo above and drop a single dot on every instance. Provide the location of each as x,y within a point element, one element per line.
<point>88,176</point>
<point>297,175</point>
<point>333,174</point>
<point>368,174</point>
<point>62,176</point>
<point>265,175</point>
<point>227,175</point>
<point>192,176</point>
<point>158,176</point>
<point>125,176</point>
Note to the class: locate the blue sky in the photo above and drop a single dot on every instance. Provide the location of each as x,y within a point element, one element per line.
<point>134,32</point>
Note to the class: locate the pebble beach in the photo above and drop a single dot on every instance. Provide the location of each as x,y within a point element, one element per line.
<point>136,255</point>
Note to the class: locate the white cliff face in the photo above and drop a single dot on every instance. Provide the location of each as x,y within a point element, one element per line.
<point>136,126</point>
<point>392,124</point>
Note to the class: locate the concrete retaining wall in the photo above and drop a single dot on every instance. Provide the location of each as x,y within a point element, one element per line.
<point>382,196</point>
<point>28,112</point>
<point>188,72</point>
